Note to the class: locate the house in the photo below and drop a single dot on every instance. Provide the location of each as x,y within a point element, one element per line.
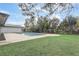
<point>3,18</point>
<point>8,28</point>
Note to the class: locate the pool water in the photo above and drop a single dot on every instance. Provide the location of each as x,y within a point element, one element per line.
<point>31,33</point>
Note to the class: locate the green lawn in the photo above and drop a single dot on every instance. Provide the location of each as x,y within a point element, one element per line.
<point>59,45</point>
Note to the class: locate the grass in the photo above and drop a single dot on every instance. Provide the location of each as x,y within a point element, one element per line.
<point>64,45</point>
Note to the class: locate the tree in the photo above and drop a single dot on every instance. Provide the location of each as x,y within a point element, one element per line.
<point>71,21</point>
<point>77,25</point>
<point>54,24</point>
<point>43,24</point>
<point>68,24</point>
<point>58,8</point>
<point>31,10</point>
<point>63,27</point>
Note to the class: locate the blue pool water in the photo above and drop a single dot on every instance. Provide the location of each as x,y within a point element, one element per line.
<point>31,33</point>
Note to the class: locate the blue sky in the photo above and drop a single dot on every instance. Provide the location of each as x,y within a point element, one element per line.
<point>76,10</point>
<point>15,13</point>
<point>16,16</point>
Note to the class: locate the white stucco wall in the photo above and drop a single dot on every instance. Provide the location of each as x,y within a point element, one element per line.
<point>10,29</point>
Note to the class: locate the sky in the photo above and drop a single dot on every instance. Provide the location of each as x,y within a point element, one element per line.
<point>16,16</point>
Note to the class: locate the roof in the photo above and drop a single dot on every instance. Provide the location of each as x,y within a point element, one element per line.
<point>3,18</point>
<point>4,14</point>
<point>13,26</point>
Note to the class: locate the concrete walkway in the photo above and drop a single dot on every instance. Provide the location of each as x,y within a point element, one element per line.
<point>14,37</point>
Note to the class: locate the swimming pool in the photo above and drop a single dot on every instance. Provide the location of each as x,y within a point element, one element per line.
<point>31,33</point>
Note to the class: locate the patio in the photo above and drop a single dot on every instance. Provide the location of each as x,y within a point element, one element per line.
<point>15,37</point>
